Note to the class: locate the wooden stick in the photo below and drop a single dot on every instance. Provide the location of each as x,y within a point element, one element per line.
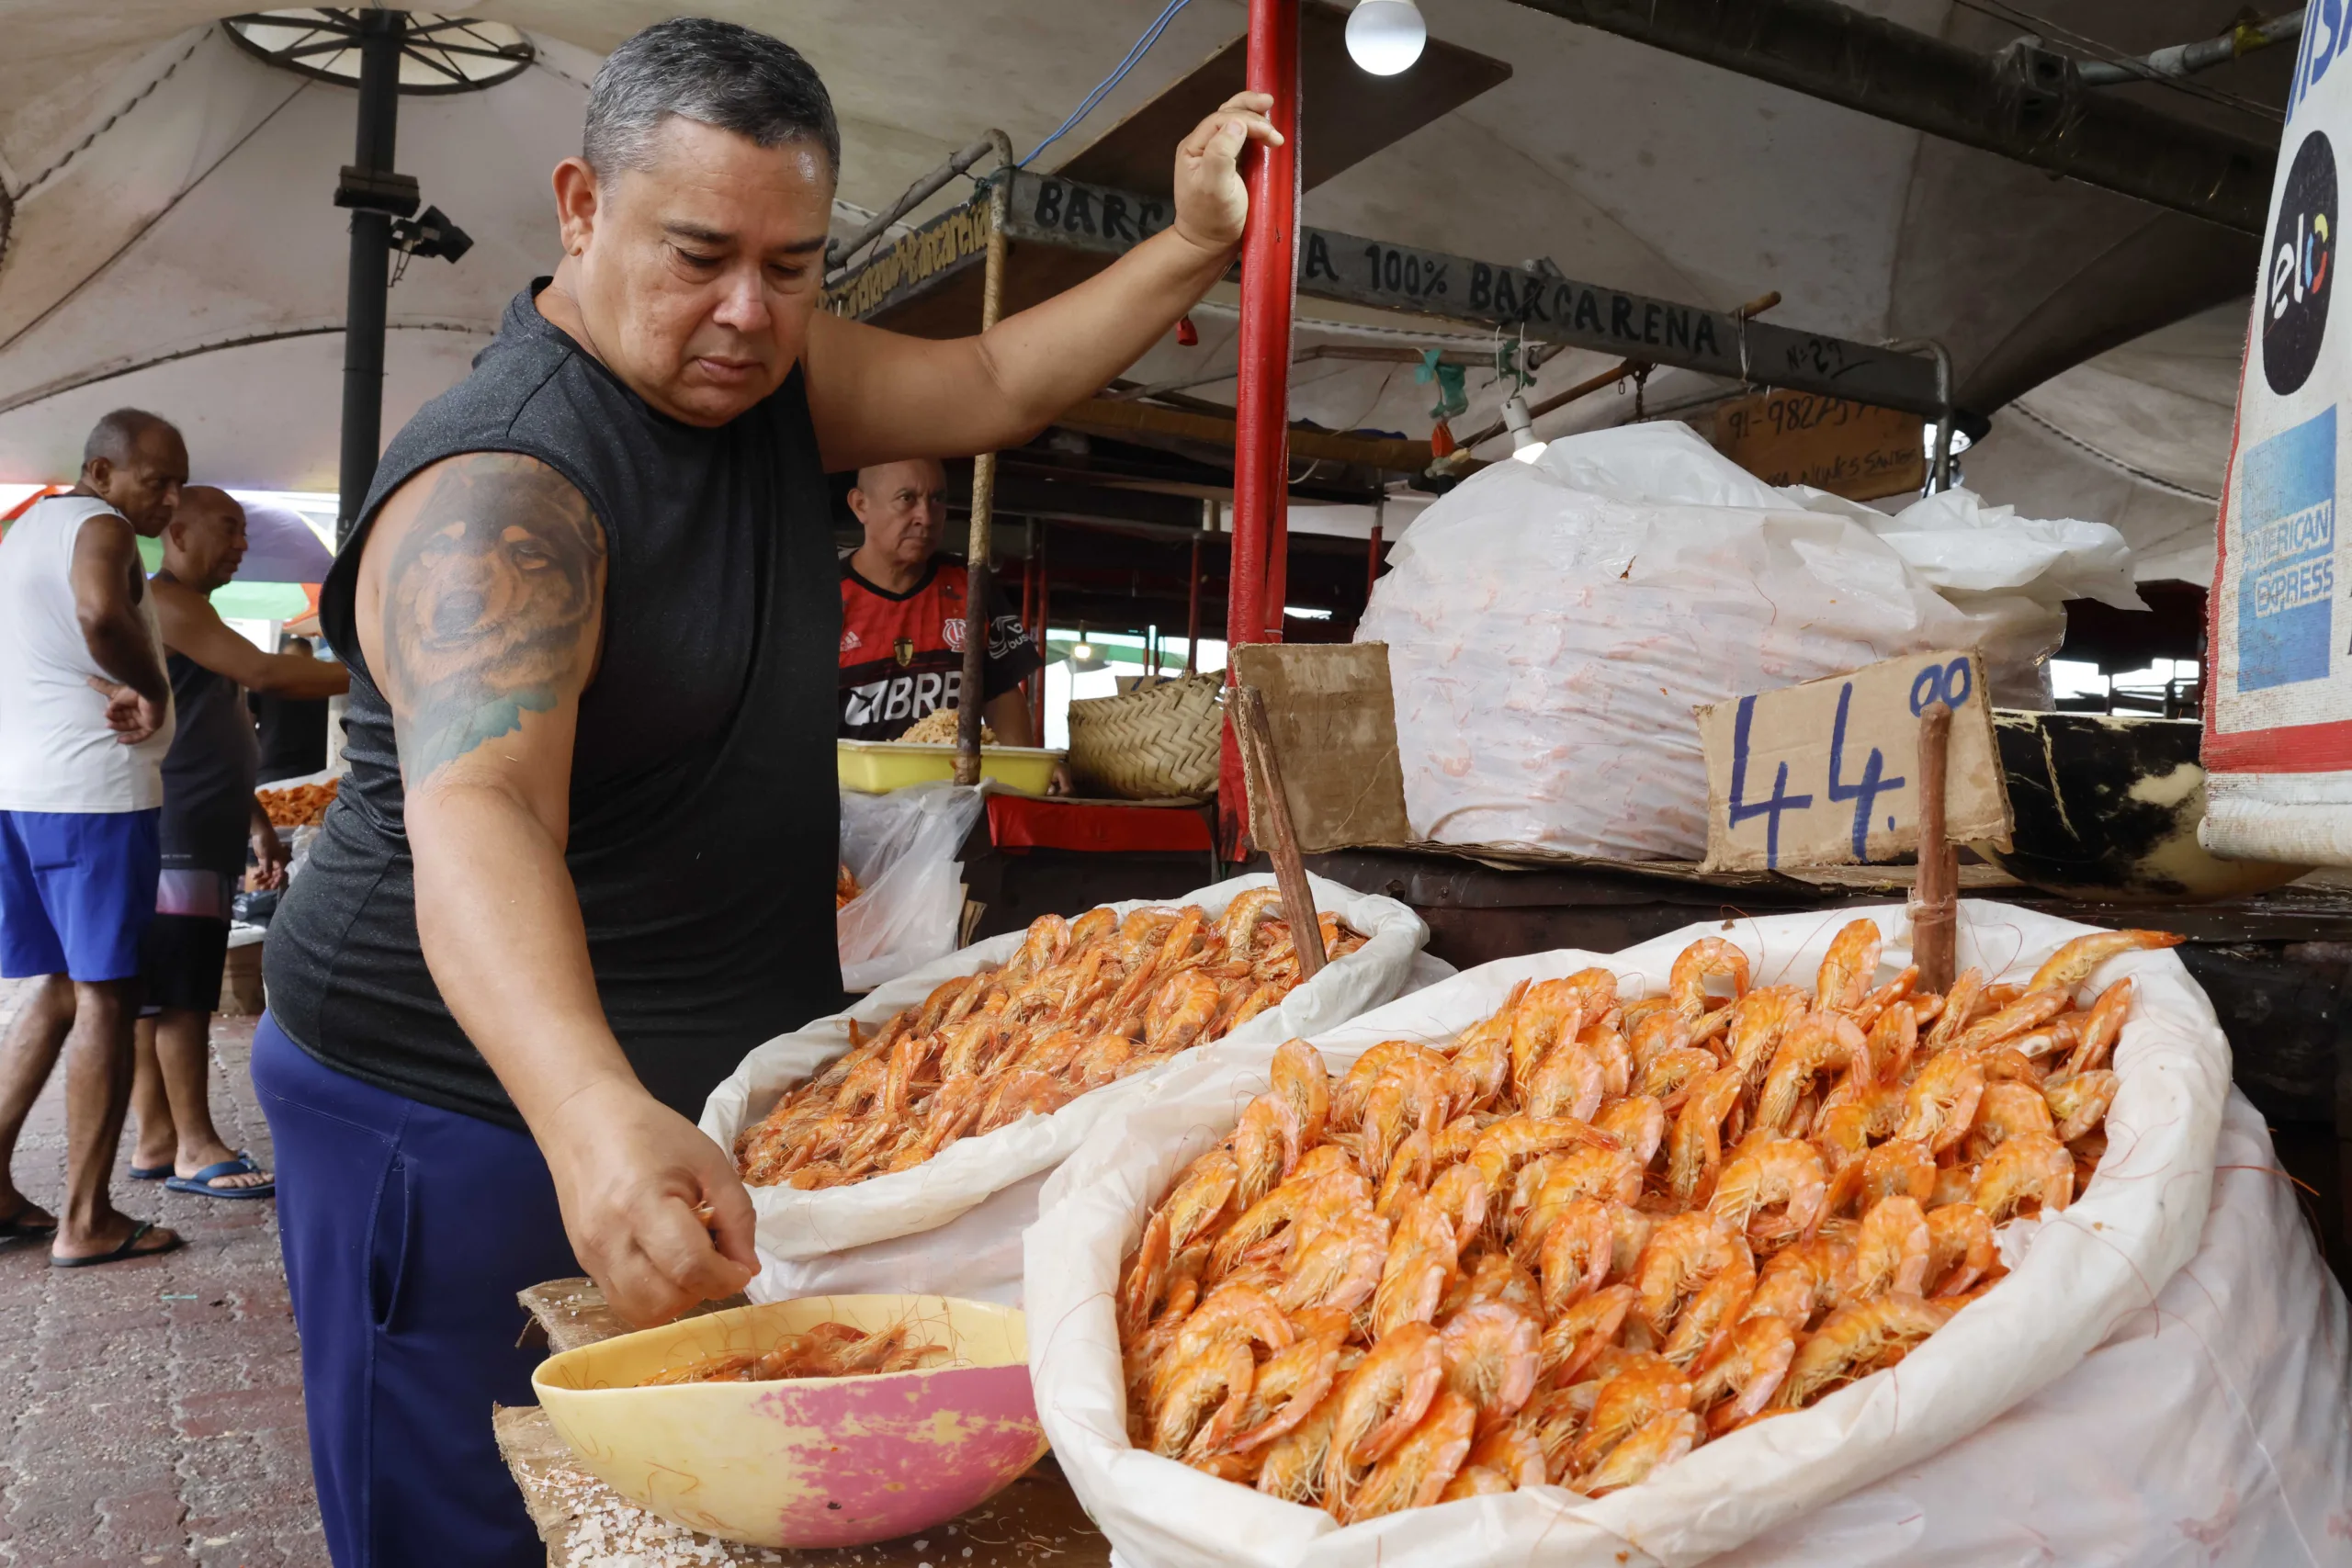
<point>1935,908</point>
<point>976,550</point>
<point>1290,872</point>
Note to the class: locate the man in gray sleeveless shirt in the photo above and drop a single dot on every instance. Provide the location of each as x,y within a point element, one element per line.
<point>579,865</point>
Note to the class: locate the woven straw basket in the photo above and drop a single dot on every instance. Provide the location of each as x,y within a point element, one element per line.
<point>1153,743</point>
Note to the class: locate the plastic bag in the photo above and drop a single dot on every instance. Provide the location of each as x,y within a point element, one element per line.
<point>902,848</point>
<point>2089,1272</point>
<point>1551,625</point>
<point>815,1241</point>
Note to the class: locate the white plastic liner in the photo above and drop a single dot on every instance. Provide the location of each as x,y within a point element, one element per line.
<point>2098,1270</point>
<point>902,848</point>
<point>1551,625</point>
<point>803,1237</point>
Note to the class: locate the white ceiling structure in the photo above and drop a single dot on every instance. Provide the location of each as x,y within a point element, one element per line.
<point>173,244</point>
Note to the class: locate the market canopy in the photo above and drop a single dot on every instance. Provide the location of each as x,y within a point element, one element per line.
<point>170,243</point>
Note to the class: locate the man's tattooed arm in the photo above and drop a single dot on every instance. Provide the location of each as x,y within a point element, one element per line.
<point>492,605</point>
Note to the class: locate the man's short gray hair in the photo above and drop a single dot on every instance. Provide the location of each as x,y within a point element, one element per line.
<point>713,72</point>
<point>117,436</point>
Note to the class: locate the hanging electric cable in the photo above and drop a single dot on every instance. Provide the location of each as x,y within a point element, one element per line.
<point>1118,74</point>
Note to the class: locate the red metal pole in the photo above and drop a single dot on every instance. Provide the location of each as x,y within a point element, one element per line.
<point>1262,450</point>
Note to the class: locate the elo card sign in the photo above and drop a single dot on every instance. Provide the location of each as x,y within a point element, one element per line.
<point>1826,774</point>
<point>2277,750</point>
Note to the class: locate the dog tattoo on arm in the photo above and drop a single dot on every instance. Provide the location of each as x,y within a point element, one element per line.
<point>491,591</point>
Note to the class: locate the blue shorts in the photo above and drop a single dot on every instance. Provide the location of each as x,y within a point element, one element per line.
<point>77,889</point>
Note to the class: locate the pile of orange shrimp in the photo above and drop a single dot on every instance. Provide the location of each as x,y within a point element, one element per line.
<point>1593,1232</point>
<point>1084,1002</point>
<point>827,1350</point>
<point>845,888</point>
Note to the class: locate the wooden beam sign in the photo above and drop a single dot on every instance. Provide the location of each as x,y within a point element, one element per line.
<point>1822,774</point>
<point>1070,214</point>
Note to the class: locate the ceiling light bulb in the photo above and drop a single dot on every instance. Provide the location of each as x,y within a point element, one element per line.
<point>1523,443</point>
<point>1385,36</point>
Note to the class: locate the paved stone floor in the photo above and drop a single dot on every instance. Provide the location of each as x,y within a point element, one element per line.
<point>153,1410</point>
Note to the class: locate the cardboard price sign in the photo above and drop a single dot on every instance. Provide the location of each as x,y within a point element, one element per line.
<point>1822,774</point>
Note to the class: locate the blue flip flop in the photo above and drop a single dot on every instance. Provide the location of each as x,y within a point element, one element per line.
<point>201,1182</point>
<point>149,1172</point>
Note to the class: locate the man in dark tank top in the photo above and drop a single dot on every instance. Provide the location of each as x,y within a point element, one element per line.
<point>580,862</point>
<point>210,814</point>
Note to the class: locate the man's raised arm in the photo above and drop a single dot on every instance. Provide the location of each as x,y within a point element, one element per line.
<point>876,396</point>
<point>192,627</point>
<point>480,608</point>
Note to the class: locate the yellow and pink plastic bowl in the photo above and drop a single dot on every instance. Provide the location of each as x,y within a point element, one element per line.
<point>808,1462</point>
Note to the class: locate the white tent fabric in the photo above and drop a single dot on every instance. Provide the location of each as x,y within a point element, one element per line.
<point>173,244</point>
<point>2137,437</point>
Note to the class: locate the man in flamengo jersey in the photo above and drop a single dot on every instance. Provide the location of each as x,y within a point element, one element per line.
<point>903,608</point>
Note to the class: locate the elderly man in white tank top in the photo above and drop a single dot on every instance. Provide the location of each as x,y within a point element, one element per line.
<point>85,719</point>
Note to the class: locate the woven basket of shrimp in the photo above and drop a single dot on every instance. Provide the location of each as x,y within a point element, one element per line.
<point>1156,742</point>
<point>907,1112</point>
<point>1572,1251</point>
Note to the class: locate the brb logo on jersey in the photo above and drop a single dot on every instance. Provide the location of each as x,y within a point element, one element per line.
<point>2300,275</point>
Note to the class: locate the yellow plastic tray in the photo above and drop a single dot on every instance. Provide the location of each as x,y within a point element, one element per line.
<point>876,767</point>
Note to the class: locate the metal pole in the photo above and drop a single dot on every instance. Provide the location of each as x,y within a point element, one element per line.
<point>1268,282</point>
<point>1372,555</point>
<point>1192,590</point>
<point>1940,469</point>
<point>381,33</point>
<point>976,550</point>
<point>1045,630</point>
